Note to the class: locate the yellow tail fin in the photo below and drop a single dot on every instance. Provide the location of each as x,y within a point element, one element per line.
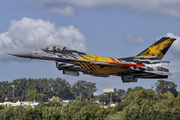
<point>157,50</point>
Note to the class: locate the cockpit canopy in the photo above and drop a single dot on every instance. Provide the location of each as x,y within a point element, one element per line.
<point>55,48</point>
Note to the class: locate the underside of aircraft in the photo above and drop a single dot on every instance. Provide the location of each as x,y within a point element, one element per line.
<point>147,64</point>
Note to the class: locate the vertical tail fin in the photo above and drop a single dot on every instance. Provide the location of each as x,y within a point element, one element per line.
<point>157,50</point>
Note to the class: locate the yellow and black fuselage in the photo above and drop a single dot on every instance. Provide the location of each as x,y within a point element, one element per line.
<point>98,65</point>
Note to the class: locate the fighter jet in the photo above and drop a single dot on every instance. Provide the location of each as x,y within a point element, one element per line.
<point>146,65</point>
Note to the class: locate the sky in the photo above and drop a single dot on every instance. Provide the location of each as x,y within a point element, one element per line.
<point>109,28</point>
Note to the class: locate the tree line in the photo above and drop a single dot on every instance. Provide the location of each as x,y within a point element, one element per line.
<point>159,102</point>
<point>42,89</point>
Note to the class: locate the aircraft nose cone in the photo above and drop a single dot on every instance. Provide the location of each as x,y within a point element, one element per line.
<point>25,54</point>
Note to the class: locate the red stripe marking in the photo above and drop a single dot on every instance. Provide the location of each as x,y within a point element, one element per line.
<point>139,65</point>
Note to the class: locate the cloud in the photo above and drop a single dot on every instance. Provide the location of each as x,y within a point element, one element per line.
<point>29,34</point>
<point>167,7</point>
<point>132,39</point>
<point>174,57</point>
<point>65,10</point>
<point>176,44</point>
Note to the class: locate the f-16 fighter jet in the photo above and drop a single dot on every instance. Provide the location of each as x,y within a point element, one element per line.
<point>146,65</point>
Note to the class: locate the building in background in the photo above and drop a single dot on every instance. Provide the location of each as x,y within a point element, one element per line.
<point>110,90</point>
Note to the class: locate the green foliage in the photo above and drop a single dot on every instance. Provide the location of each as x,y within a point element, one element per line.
<point>32,114</point>
<point>1,107</point>
<point>85,88</point>
<point>136,103</point>
<point>55,99</point>
<point>48,92</point>
<point>121,92</point>
<point>81,98</point>
<point>45,87</point>
<point>150,113</point>
<point>110,110</point>
<point>6,88</point>
<point>12,113</point>
<point>121,105</point>
<point>138,88</point>
<point>2,96</point>
<point>175,101</point>
<point>146,104</point>
<point>15,99</point>
<point>51,113</point>
<point>90,111</point>
<point>107,97</point>
<point>61,87</point>
<point>53,104</point>
<point>32,94</point>
<point>82,111</point>
<point>45,111</point>
<point>70,109</point>
<point>116,116</point>
<point>163,86</point>
<point>166,96</point>
<point>49,104</point>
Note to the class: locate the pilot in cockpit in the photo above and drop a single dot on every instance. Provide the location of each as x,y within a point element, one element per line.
<point>54,48</point>
<point>47,49</point>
